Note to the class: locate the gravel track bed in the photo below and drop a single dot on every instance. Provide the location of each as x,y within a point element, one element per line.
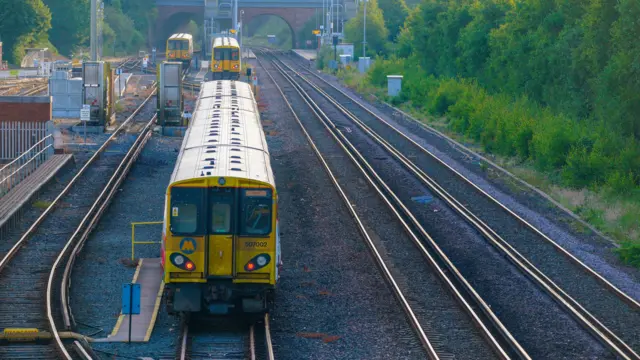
<point>324,291</point>
<point>21,305</point>
<point>30,212</point>
<point>589,247</point>
<point>451,330</point>
<point>221,338</point>
<point>543,328</point>
<point>106,254</point>
<point>606,306</point>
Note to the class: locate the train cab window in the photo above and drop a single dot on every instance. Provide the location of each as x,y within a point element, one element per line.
<point>178,45</point>
<point>256,211</point>
<point>234,54</point>
<point>221,54</point>
<point>221,208</point>
<point>186,211</point>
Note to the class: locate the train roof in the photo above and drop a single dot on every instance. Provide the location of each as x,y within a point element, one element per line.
<point>225,136</point>
<point>181,36</point>
<point>225,41</point>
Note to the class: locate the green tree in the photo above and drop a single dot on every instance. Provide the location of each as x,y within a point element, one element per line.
<point>473,43</point>
<point>127,38</point>
<point>69,23</point>
<point>22,23</point>
<point>395,12</point>
<point>143,13</point>
<point>376,31</point>
<point>619,94</point>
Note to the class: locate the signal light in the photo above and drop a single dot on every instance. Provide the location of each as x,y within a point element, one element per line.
<point>190,266</point>
<point>250,266</point>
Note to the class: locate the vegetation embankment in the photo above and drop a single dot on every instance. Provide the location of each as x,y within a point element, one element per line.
<point>550,88</point>
<point>63,26</point>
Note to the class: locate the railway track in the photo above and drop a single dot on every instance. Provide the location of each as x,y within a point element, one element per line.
<point>403,267</point>
<point>242,340</point>
<point>35,271</point>
<point>435,175</point>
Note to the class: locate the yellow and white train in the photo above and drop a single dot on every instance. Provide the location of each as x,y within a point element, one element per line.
<point>226,62</point>
<point>221,245</point>
<point>180,48</point>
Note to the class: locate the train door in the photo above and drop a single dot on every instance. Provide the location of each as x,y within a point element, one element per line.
<point>222,209</point>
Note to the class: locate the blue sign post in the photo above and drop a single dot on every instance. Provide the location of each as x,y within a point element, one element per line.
<point>130,302</point>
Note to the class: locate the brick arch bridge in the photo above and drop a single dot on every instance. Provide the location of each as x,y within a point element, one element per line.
<point>165,13</point>
<point>294,17</point>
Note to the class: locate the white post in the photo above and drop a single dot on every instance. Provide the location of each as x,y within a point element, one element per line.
<point>364,31</point>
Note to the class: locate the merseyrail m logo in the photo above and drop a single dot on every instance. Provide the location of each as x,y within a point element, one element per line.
<point>188,246</point>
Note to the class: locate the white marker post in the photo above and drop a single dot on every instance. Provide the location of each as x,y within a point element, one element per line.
<point>85,115</point>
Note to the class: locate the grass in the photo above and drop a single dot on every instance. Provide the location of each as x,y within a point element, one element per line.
<point>41,204</point>
<point>614,215</point>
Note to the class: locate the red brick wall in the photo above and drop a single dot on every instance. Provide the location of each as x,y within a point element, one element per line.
<point>25,111</point>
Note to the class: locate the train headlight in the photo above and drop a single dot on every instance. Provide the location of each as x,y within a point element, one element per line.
<point>258,262</point>
<point>182,262</point>
<point>261,261</point>
<point>235,66</point>
<point>215,66</point>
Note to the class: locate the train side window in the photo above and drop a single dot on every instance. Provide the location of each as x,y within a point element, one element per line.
<point>221,209</point>
<point>186,211</point>
<point>255,216</point>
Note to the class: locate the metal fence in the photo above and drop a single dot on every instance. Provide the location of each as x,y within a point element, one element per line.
<point>26,146</point>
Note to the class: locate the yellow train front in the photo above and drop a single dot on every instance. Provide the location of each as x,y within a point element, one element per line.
<point>226,62</point>
<point>221,245</point>
<point>180,48</point>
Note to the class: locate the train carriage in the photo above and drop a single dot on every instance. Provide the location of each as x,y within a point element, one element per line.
<point>221,246</point>
<point>226,62</point>
<point>180,48</point>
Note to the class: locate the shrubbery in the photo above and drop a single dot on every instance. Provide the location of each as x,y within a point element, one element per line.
<point>584,153</point>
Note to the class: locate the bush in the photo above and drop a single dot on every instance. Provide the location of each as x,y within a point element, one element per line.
<point>584,153</point>
<point>630,253</point>
<point>620,183</point>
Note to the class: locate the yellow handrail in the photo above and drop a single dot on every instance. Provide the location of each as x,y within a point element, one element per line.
<point>133,236</point>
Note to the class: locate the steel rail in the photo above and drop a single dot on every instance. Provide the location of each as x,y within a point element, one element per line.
<point>252,343</point>
<point>7,258</point>
<point>183,342</point>
<point>127,163</point>
<point>621,294</point>
<point>103,200</point>
<point>24,238</point>
<point>361,164</point>
<point>583,316</point>
<point>267,334</point>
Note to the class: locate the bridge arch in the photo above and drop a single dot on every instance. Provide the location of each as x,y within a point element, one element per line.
<point>251,26</point>
<point>172,20</point>
<point>295,18</point>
